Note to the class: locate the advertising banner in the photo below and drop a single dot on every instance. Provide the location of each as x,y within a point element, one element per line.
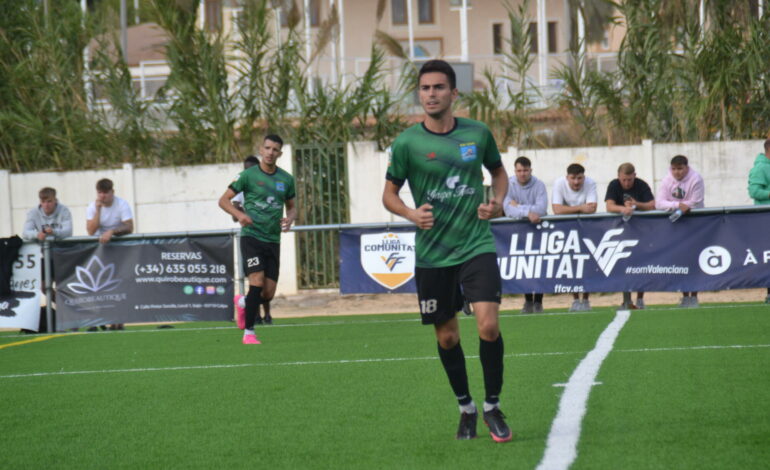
<point>375,261</point>
<point>700,252</point>
<point>186,279</point>
<point>22,308</point>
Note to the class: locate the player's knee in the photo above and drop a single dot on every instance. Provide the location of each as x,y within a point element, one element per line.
<point>447,339</point>
<point>489,329</point>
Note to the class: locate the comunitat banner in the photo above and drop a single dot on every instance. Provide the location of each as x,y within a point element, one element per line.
<point>21,309</point>
<point>699,252</point>
<point>186,279</point>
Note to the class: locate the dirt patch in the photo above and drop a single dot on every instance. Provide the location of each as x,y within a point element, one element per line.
<point>329,303</point>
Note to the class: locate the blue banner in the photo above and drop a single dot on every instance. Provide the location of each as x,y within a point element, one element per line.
<point>699,252</point>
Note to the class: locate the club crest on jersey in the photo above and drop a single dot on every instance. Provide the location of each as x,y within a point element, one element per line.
<point>431,155</point>
<point>468,151</point>
<point>280,186</point>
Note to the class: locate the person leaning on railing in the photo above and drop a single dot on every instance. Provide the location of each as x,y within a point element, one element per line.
<point>526,198</point>
<point>681,190</point>
<point>759,184</point>
<point>575,194</point>
<point>108,216</point>
<point>626,194</point>
<point>48,221</point>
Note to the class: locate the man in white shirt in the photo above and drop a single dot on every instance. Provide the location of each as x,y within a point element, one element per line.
<point>109,215</point>
<point>575,194</point>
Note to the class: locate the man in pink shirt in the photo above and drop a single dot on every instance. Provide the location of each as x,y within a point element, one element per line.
<point>681,190</point>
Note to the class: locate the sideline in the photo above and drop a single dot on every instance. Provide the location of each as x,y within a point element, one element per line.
<point>361,361</point>
<point>561,446</point>
<point>33,340</point>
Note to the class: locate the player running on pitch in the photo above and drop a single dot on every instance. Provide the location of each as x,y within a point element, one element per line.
<point>266,189</point>
<point>441,158</point>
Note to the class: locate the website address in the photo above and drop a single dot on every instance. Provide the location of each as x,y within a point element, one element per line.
<point>181,279</point>
<point>657,269</point>
<point>562,289</point>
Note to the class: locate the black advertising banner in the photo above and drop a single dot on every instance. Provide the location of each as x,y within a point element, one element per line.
<point>184,279</point>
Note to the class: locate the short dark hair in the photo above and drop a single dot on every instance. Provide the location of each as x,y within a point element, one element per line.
<point>523,161</point>
<point>47,193</point>
<point>767,146</point>
<point>575,169</point>
<point>104,185</point>
<point>626,169</point>
<point>250,161</point>
<point>440,66</point>
<point>275,138</point>
<point>679,160</point>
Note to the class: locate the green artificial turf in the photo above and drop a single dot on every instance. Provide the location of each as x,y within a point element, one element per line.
<point>369,392</point>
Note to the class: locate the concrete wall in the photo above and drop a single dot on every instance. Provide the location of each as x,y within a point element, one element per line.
<point>185,198</point>
<point>724,166</point>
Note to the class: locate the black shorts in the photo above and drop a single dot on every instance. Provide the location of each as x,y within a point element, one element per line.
<point>257,255</point>
<point>441,291</point>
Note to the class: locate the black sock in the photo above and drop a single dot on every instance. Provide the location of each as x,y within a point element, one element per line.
<point>454,365</point>
<point>266,308</point>
<point>491,355</point>
<point>528,297</point>
<point>253,299</point>
<point>539,298</point>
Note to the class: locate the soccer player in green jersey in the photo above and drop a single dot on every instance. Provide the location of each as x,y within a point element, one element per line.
<point>266,190</point>
<point>456,260</point>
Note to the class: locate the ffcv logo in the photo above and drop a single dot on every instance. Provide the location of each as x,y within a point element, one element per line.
<point>608,252</point>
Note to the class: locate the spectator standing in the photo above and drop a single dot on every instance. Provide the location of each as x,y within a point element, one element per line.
<point>680,191</point>
<point>526,198</point>
<point>108,216</point>
<point>575,194</point>
<point>49,219</point>
<point>626,194</point>
<point>759,184</point>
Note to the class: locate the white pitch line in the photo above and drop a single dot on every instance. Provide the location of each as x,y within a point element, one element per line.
<point>561,447</point>
<point>358,361</point>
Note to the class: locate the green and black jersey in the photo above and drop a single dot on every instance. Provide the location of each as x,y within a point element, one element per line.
<point>444,170</point>
<point>264,196</point>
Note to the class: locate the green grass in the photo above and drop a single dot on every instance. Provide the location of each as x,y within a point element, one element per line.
<point>369,392</point>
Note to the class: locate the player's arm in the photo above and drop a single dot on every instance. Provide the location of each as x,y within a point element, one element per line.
<point>422,216</point>
<point>227,206</point>
<point>494,208</point>
<point>291,215</point>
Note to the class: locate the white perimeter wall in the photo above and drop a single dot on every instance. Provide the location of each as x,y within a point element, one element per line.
<point>185,198</point>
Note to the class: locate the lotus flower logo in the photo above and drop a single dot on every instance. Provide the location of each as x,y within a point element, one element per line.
<point>94,277</point>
